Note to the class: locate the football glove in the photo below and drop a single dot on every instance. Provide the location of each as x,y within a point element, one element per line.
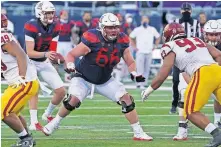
<point>18,81</point>
<point>145,93</point>
<point>137,78</point>
<point>70,67</point>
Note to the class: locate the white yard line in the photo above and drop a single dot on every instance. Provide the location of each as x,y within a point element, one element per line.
<point>118,107</point>
<point>98,138</point>
<point>115,116</point>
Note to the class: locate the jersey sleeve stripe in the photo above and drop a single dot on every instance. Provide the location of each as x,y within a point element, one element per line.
<point>91,37</point>
<point>31,28</point>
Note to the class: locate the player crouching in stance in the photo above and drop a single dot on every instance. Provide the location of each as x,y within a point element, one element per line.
<point>21,77</point>
<point>198,60</point>
<point>101,50</point>
<point>211,36</point>
<point>41,36</point>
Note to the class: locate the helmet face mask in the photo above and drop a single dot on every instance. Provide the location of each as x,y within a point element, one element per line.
<point>212,32</point>
<point>45,11</point>
<point>111,32</point>
<point>109,26</point>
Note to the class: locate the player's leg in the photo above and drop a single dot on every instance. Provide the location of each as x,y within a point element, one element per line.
<point>117,93</point>
<point>13,100</point>
<point>217,114</point>
<point>183,122</point>
<point>78,91</point>
<point>176,73</point>
<point>34,124</point>
<point>197,95</point>
<point>51,77</point>
<point>140,67</point>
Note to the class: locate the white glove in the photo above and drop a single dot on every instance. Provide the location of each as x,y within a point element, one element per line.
<point>20,80</point>
<point>70,67</point>
<point>146,93</point>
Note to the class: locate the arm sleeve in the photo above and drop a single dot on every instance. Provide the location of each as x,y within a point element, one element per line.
<point>165,50</point>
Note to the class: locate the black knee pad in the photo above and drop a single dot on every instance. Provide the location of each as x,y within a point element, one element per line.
<point>181,104</point>
<point>68,106</point>
<point>128,108</point>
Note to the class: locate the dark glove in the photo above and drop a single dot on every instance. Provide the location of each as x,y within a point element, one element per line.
<point>139,78</point>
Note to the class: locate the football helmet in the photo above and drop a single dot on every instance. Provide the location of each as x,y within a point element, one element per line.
<point>211,32</point>
<point>173,31</point>
<point>109,26</point>
<point>43,10</point>
<point>4,22</point>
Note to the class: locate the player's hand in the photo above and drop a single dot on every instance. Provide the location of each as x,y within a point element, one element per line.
<point>137,78</point>
<point>18,81</point>
<point>145,93</point>
<point>69,67</point>
<point>50,55</point>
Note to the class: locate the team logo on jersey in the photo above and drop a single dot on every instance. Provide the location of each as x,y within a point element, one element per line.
<point>39,34</point>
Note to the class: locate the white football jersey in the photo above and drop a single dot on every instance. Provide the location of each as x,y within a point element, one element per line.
<point>191,54</point>
<point>9,65</point>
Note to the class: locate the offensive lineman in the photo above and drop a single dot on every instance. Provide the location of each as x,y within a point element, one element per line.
<point>102,50</point>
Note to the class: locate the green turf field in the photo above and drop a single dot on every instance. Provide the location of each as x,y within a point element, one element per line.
<point>100,123</point>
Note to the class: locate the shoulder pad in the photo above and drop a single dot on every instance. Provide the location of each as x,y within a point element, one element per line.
<point>91,36</point>
<point>123,38</point>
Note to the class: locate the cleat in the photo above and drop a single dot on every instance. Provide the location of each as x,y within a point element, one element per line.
<point>47,118</point>
<point>35,127</point>
<point>173,110</point>
<point>142,137</point>
<point>181,135</point>
<point>50,128</point>
<point>26,142</point>
<point>216,141</point>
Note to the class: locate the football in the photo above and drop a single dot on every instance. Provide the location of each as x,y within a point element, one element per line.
<point>58,59</point>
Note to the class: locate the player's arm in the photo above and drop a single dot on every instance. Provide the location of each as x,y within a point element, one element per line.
<point>80,50</point>
<point>215,53</point>
<point>186,77</point>
<point>129,60</point>
<point>161,76</point>
<point>15,50</point>
<point>165,70</point>
<point>30,44</point>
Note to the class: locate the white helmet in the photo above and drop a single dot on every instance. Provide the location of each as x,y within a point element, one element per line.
<point>42,8</point>
<point>211,28</point>
<point>109,20</point>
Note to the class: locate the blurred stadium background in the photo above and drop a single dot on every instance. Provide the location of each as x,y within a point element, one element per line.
<point>101,124</point>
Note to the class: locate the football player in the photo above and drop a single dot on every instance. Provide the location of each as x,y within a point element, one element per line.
<point>101,50</point>
<point>21,76</point>
<point>198,60</point>
<point>211,36</point>
<point>41,36</point>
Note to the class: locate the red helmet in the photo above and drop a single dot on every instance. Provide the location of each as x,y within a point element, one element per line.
<point>4,22</point>
<point>172,31</point>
